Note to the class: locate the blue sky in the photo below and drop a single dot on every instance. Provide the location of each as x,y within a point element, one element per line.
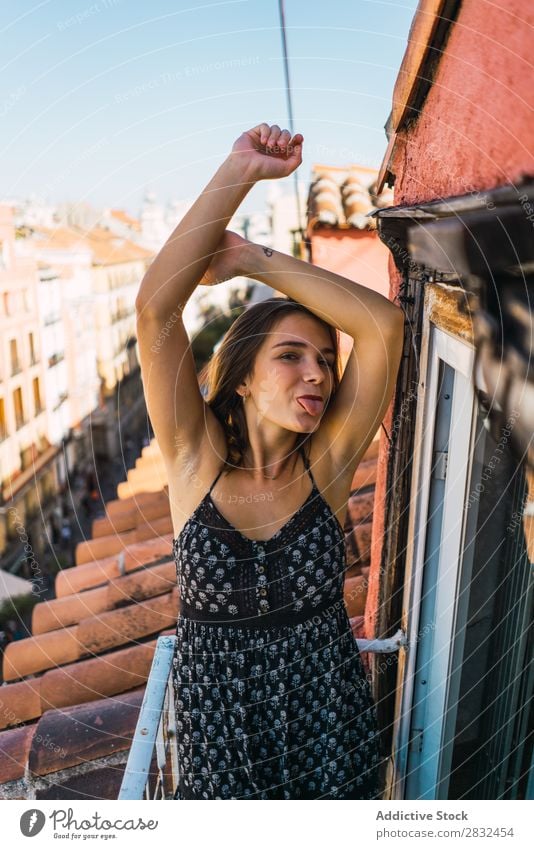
<point>101,100</point>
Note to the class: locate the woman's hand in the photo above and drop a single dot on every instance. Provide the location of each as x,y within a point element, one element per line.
<point>266,152</point>
<point>226,261</point>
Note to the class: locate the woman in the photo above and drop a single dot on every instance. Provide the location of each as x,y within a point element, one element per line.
<point>271,697</point>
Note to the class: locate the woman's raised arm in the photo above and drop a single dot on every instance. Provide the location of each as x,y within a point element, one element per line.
<point>178,413</point>
<point>264,152</point>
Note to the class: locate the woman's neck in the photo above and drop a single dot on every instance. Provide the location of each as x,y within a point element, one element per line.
<point>270,471</point>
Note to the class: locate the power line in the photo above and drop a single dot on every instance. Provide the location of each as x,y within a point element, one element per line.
<point>290,108</point>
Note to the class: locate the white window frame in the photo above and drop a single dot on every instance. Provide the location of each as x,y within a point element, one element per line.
<point>442,643</point>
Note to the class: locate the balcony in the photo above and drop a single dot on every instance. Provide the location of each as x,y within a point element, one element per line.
<point>155,739</point>
<point>63,397</point>
<point>55,359</point>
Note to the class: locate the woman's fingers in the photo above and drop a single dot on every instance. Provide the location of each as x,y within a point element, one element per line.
<point>276,141</point>
<point>283,139</point>
<point>265,132</point>
<point>273,138</point>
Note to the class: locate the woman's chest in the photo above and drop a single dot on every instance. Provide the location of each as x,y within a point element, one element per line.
<point>223,575</point>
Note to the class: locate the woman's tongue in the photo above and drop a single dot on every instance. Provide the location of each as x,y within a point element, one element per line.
<point>312,406</point>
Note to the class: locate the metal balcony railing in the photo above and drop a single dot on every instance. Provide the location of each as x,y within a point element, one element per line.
<point>156,725</point>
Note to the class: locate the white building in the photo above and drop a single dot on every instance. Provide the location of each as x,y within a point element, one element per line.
<point>56,390</point>
<point>71,257</point>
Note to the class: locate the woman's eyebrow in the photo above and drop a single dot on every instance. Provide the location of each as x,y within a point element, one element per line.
<point>296,344</point>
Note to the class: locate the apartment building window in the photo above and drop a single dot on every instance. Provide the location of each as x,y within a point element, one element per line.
<point>33,353</point>
<point>56,358</point>
<point>37,396</point>
<point>3,423</point>
<point>27,300</point>
<point>19,408</point>
<point>15,362</point>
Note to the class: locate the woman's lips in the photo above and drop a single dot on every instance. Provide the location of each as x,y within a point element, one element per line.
<point>313,406</point>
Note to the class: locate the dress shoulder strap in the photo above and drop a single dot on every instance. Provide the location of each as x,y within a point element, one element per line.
<point>307,466</point>
<point>218,475</point>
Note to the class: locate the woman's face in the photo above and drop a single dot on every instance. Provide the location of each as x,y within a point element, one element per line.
<point>295,360</point>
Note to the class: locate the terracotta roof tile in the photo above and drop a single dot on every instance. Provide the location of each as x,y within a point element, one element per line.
<point>119,506</point>
<point>83,681</point>
<point>342,197</point>
<point>80,752</point>
<point>123,216</point>
<point>101,571</point>
<point>365,474</point>
<point>133,514</point>
<point>145,583</point>
<point>92,646</point>
<point>355,595</point>
<point>19,702</point>
<point>95,549</point>
<point>14,751</point>
<point>363,533</point>
<point>107,248</point>
<point>360,505</point>
<point>85,732</point>
<point>92,635</point>
<point>115,672</point>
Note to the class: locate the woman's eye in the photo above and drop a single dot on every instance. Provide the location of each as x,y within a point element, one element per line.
<point>321,362</point>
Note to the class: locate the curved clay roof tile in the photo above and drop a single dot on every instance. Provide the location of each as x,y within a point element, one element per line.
<point>93,635</point>
<point>99,572</point>
<point>68,610</point>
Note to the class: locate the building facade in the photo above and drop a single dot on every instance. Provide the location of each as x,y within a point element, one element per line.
<point>453,540</point>
<point>29,461</point>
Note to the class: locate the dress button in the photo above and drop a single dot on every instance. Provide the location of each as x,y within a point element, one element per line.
<point>261,568</point>
<point>263,592</point>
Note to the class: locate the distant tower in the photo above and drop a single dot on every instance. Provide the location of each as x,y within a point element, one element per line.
<point>176,209</point>
<point>153,226</point>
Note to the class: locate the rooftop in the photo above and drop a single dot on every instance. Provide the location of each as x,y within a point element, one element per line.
<point>343,197</point>
<point>73,690</point>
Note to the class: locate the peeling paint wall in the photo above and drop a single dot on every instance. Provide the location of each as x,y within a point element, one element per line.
<point>475,129</point>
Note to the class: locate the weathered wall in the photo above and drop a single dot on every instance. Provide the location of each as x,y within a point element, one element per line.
<point>356,254</point>
<point>380,519</point>
<point>475,130</point>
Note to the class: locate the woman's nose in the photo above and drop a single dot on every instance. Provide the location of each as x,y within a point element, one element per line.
<point>313,371</point>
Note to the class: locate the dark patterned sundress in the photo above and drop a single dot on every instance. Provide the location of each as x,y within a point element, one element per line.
<point>271,696</point>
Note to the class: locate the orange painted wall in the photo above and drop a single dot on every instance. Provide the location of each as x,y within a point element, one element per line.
<point>356,254</point>
<point>475,130</point>
<point>474,133</point>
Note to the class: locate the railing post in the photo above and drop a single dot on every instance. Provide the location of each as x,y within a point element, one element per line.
<point>138,764</point>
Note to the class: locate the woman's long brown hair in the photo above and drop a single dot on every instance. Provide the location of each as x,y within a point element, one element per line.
<point>233,362</point>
